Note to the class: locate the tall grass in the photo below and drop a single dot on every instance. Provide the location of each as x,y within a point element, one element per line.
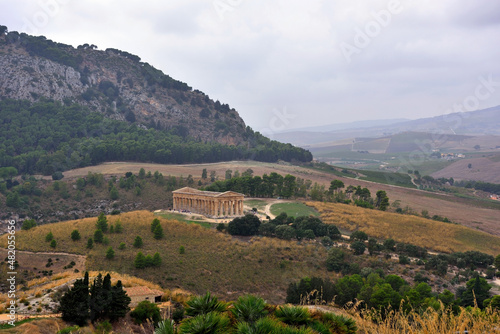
<point>470,320</point>
<point>430,234</point>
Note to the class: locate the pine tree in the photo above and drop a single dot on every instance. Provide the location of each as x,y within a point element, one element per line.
<point>149,261</point>
<point>53,243</point>
<point>140,261</point>
<point>158,232</point>
<point>102,223</point>
<point>156,260</point>
<point>138,242</point>
<point>155,223</point>
<point>118,227</point>
<point>49,237</point>
<point>90,243</point>
<point>110,253</point>
<point>113,193</point>
<point>98,236</point>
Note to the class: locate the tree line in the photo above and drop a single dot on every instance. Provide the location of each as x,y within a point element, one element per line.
<point>382,293</point>
<point>45,137</point>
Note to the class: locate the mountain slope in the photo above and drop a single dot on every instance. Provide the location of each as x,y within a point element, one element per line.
<point>122,109</point>
<point>115,83</point>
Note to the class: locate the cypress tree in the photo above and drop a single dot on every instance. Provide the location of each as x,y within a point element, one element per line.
<point>120,301</point>
<point>74,304</point>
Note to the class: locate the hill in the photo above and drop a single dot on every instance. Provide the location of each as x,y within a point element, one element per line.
<point>211,261</point>
<point>80,194</point>
<point>476,169</point>
<point>65,107</point>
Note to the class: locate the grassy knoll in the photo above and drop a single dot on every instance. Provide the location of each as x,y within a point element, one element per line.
<point>185,219</point>
<point>443,237</point>
<point>294,209</point>
<point>212,261</point>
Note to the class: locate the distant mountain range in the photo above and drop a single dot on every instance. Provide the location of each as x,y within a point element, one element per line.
<point>474,123</point>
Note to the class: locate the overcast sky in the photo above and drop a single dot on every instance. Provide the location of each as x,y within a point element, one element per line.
<point>286,64</point>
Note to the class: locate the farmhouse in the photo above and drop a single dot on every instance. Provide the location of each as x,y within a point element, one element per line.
<point>138,294</point>
<point>209,203</point>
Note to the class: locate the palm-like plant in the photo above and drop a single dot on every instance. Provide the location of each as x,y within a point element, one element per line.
<point>209,323</point>
<point>165,327</point>
<point>339,323</point>
<point>249,308</point>
<point>293,315</point>
<point>204,304</point>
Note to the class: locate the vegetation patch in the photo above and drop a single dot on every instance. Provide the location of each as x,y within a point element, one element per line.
<point>439,236</point>
<point>294,209</point>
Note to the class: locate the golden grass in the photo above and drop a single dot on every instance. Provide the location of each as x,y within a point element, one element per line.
<point>431,321</point>
<point>227,266</point>
<point>430,234</point>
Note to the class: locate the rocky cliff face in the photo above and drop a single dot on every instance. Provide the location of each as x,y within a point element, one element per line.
<point>114,83</point>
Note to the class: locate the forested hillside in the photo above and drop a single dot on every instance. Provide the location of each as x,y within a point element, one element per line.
<point>47,136</point>
<point>63,107</point>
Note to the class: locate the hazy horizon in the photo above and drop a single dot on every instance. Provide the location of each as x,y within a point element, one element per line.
<point>290,65</point>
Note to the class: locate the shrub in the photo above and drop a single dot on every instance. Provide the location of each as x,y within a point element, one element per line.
<point>285,232</point>
<point>75,235</point>
<point>144,311</point>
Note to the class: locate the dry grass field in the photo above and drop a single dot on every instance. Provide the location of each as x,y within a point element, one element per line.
<point>430,234</point>
<point>472,213</point>
<point>212,260</point>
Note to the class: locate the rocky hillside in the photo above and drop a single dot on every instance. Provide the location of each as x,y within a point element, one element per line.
<point>114,83</point>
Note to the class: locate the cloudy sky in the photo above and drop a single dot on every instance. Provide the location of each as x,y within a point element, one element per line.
<point>286,64</point>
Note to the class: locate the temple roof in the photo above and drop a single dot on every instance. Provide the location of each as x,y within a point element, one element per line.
<point>192,191</point>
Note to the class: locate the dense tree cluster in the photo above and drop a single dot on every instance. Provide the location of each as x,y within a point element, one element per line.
<point>479,185</point>
<point>270,185</point>
<point>284,227</point>
<point>46,137</point>
<point>100,301</point>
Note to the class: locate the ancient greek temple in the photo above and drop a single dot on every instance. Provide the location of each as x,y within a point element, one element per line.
<point>209,203</point>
